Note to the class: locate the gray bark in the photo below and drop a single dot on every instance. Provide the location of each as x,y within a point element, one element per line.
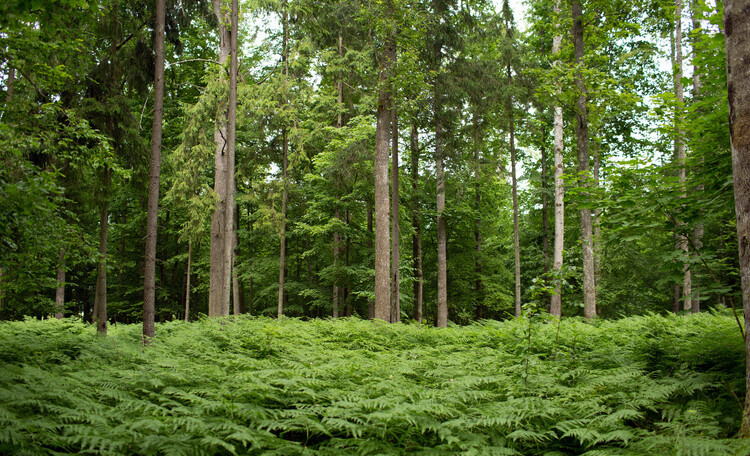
<point>582,136</point>
<point>737,31</point>
<point>557,255</point>
<point>395,223</point>
<point>149,282</point>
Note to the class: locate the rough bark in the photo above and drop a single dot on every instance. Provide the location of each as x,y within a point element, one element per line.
<point>442,240</point>
<point>395,223</point>
<point>216,296</point>
<point>60,288</point>
<point>514,183</point>
<point>557,255</point>
<point>582,137</point>
<point>149,282</point>
<point>416,240</point>
<point>737,31</point>
<point>382,310</point>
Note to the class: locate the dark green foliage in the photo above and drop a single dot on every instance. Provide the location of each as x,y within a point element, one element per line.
<point>642,385</point>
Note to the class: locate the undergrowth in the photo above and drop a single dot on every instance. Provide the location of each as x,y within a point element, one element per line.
<point>647,385</point>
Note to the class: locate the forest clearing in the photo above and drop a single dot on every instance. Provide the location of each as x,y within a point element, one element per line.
<point>354,227</point>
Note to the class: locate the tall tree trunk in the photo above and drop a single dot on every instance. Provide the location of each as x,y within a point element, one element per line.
<point>416,240</point>
<point>681,152</point>
<point>236,289</point>
<point>442,240</point>
<point>514,183</point>
<point>149,283</point>
<point>395,224</point>
<point>336,253</point>
<point>60,288</point>
<point>382,223</point>
<point>545,217</point>
<point>187,286</point>
<point>582,134</point>
<point>217,297</point>
<point>284,194</point>
<point>478,223</point>
<point>557,256</point>
<point>370,236</point>
<point>737,31</point>
<point>100,298</point>
<point>595,218</point>
<point>697,85</point>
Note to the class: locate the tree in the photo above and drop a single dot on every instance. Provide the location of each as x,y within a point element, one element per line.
<point>557,255</point>
<point>149,291</point>
<point>382,137</point>
<point>737,30</point>
<point>582,136</point>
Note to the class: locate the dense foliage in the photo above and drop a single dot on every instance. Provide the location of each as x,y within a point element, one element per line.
<point>240,385</point>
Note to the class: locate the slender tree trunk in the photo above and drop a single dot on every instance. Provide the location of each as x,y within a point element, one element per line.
<point>100,298</point>
<point>60,288</point>
<point>478,224</point>
<point>595,218</point>
<point>582,134</point>
<point>395,224</point>
<point>284,195</point>
<point>416,240</point>
<point>697,86</point>
<point>370,236</point>
<point>737,31</point>
<point>236,289</point>
<point>442,241</point>
<point>217,298</point>
<point>382,223</point>
<point>681,152</point>
<point>545,217</point>
<point>516,241</point>
<point>557,256</point>
<point>187,287</point>
<point>336,253</point>
<point>149,284</point>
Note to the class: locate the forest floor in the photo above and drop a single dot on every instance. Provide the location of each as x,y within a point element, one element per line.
<point>648,385</point>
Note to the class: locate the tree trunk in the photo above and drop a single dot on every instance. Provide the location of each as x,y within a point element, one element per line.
<point>149,283</point>
<point>370,236</point>
<point>60,288</point>
<point>478,223</point>
<point>336,252</point>
<point>681,153</point>
<point>382,229</point>
<point>284,194</point>
<point>236,289</point>
<point>187,287</point>
<point>217,297</point>
<point>100,298</point>
<point>697,85</point>
<point>557,256</point>
<point>582,135</point>
<point>416,240</point>
<point>442,241</point>
<point>514,183</point>
<point>737,31</point>
<point>395,224</point>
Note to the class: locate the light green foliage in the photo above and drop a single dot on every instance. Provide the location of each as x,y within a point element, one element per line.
<point>642,385</point>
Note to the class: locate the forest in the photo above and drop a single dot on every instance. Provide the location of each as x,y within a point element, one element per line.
<point>547,200</point>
